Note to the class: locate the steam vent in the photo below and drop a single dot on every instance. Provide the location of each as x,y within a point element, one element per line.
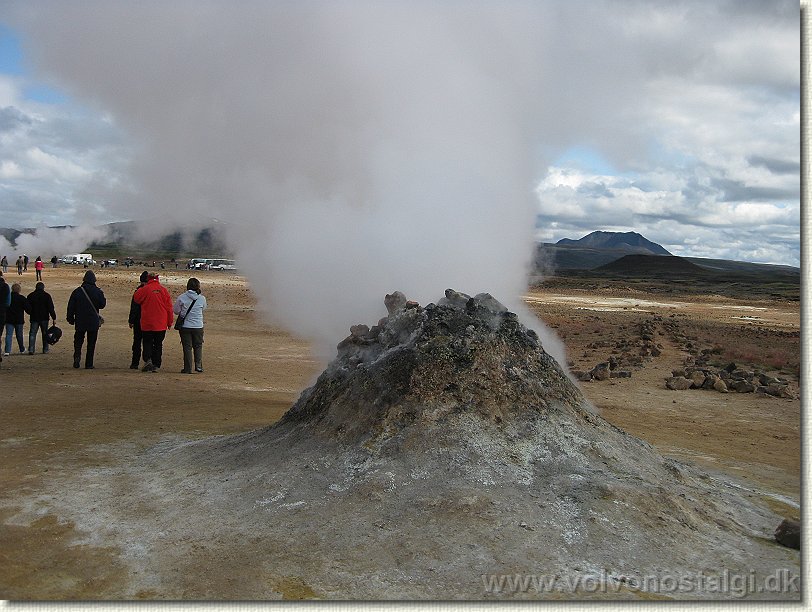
<point>443,447</point>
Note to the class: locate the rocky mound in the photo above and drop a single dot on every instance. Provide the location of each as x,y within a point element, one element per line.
<point>441,449</point>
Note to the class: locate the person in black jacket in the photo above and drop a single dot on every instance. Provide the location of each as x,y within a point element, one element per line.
<point>83,311</point>
<point>5,299</point>
<point>15,318</point>
<point>134,321</point>
<point>41,307</point>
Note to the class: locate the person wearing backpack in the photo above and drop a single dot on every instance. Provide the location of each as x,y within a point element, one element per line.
<point>42,309</point>
<point>83,312</point>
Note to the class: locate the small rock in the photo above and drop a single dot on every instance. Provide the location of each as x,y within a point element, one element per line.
<point>601,371</point>
<point>394,302</point>
<point>788,534</point>
<point>455,299</point>
<point>741,386</point>
<point>697,379</point>
<point>678,383</point>
<point>720,386</point>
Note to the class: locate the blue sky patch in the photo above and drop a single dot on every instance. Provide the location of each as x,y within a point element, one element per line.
<point>10,52</point>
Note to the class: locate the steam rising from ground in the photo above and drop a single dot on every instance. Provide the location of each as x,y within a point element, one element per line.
<point>351,148</point>
<point>46,242</point>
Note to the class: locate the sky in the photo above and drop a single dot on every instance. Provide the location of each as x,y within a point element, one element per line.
<point>406,145</point>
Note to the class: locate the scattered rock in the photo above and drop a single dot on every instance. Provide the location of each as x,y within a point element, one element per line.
<point>678,383</point>
<point>788,534</point>
<point>601,371</point>
<point>697,379</point>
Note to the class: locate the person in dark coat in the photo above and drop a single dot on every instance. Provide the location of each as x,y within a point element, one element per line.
<point>83,311</point>
<point>15,319</point>
<point>134,321</point>
<point>41,307</point>
<point>5,300</point>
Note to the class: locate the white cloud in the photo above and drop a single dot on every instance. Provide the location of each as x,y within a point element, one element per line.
<point>10,169</point>
<point>46,165</point>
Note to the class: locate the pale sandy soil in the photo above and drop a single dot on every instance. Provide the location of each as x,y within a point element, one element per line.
<point>57,421</point>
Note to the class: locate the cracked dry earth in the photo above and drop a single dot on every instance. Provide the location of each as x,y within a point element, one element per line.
<point>123,485</point>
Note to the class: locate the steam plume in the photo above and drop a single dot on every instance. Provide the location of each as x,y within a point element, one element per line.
<point>353,148</point>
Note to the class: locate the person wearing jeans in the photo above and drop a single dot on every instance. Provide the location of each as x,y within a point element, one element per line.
<point>191,305</point>
<point>41,309</point>
<point>15,319</point>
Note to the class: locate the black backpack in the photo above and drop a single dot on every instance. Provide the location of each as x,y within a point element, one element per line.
<point>53,334</point>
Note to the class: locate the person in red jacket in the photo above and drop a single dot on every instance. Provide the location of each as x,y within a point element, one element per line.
<point>156,318</point>
<point>38,266</point>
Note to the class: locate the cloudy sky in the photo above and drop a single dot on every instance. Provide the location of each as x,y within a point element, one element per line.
<point>678,120</point>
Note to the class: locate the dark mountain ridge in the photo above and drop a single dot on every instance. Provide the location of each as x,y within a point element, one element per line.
<point>622,241</point>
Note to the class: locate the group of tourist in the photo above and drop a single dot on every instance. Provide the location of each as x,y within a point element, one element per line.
<point>13,308</point>
<point>152,312</point>
<point>22,265</point>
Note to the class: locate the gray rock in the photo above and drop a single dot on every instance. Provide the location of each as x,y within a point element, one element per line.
<point>741,386</point>
<point>678,383</point>
<point>489,303</point>
<point>455,299</point>
<point>601,371</point>
<point>788,534</point>
<point>697,379</point>
<point>394,302</point>
<point>720,386</point>
<point>778,390</point>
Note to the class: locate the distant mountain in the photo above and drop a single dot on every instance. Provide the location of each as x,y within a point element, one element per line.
<point>637,265</point>
<point>593,250</point>
<point>9,233</point>
<point>630,242</point>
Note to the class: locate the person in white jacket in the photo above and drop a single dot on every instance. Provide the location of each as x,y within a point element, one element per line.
<point>191,305</point>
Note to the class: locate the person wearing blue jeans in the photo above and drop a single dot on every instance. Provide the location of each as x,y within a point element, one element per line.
<point>41,309</point>
<point>15,318</point>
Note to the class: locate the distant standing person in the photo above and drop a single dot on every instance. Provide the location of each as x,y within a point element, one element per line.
<point>15,319</point>
<point>156,318</point>
<point>134,321</point>
<point>20,265</point>
<point>25,262</point>
<point>83,311</point>
<point>38,266</point>
<point>4,264</point>
<point>41,309</point>
<point>191,306</point>
<point>53,261</point>
<point>5,300</point>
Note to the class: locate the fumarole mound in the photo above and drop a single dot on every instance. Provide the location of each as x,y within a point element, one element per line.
<point>442,450</point>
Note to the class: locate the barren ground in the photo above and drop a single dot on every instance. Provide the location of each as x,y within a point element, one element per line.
<point>58,421</point>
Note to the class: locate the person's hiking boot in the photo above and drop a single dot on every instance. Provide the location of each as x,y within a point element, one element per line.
<point>198,369</point>
<point>134,365</point>
<point>148,367</point>
<point>185,371</point>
